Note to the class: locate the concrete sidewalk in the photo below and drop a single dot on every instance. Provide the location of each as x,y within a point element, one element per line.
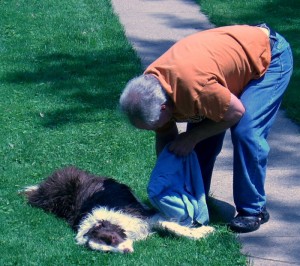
<point>153,26</point>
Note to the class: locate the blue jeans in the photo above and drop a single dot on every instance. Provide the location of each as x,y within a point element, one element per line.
<point>261,99</point>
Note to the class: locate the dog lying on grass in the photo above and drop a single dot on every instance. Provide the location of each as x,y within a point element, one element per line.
<point>104,213</point>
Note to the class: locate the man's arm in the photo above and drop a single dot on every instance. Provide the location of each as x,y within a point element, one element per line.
<point>186,142</point>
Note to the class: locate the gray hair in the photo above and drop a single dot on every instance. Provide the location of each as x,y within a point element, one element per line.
<point>142,99</point>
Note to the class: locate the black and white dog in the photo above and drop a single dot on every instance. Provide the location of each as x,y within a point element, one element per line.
<point>104,213</point>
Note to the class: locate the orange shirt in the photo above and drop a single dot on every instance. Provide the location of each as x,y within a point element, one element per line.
<point>201,70</point>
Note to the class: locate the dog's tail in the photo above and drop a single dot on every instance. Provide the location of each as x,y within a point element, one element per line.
<point>57,193</point>
<point>28,191</point>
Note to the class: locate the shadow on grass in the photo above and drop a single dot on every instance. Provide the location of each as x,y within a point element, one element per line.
<point>287,26</point>
<point>220,212</point>
<point>77,86</point>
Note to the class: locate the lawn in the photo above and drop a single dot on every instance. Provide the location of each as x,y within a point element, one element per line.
<point>63,65</point>
<point>283,16</point>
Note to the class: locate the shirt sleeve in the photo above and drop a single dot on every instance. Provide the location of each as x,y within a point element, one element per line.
<point>213,101</point>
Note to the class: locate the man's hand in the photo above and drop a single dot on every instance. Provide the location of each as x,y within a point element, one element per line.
<point>183,144</point>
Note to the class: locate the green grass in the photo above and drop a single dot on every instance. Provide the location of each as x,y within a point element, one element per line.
<point>63,65</point>
<point>283,16</point>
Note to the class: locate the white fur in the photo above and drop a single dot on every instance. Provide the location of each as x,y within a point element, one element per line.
<point>29,189</point>
<point>124,247</point>
<point>135,229</point>
<point>157,221</point>
<point>189,232</point>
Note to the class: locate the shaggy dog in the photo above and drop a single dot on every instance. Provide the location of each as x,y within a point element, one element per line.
<point>104,213</point>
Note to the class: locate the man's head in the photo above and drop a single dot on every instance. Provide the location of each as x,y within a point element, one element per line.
<point>145,103</point>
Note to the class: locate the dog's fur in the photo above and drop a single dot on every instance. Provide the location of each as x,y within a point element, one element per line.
<point>103,212</point>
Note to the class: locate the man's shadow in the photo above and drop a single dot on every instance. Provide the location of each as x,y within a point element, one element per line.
<point>220,212</point>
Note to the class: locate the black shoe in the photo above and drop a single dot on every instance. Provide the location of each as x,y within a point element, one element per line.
<point>245,223</point>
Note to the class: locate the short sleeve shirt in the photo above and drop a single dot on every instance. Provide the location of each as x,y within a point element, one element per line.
<point>200,71</point>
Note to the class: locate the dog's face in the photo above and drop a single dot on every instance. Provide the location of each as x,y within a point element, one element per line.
<point>105,236</point>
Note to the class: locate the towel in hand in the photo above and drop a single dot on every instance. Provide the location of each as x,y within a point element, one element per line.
<point>176,188</point>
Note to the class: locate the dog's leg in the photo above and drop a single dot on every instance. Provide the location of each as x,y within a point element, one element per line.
<point>193,233</point>
<point>202,231</point>
<point>179,230</point>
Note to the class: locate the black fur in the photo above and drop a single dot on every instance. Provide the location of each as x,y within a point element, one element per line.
<point>71,194</point>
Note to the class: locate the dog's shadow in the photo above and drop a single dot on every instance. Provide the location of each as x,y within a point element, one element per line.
<point>166,234</point>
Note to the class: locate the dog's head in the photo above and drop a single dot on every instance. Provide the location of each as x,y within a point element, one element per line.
<point>111,231</point>
<point>105,236</point>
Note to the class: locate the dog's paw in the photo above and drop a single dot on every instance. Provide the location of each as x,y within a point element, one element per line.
<point>202,231</point>
<point>124,247</point>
